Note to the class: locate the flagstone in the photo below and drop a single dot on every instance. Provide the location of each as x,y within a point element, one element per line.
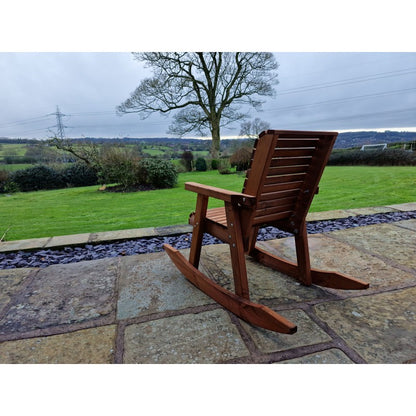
<point>63,294</point>
<point>87,346</point>
<point>206,337</point>
<point>381,327</point>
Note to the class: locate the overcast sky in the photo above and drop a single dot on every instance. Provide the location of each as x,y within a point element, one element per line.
<point>321,91</point>
<point>317,90</point>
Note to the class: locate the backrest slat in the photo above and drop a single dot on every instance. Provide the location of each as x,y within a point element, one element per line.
<point>284,174</point>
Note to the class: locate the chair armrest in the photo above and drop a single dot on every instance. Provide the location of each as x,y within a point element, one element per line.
<point>228,196</point>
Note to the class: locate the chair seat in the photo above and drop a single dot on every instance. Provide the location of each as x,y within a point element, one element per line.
<point>217,215</point>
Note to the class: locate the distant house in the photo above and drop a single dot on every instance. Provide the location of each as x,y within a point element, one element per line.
<point>381,146</point>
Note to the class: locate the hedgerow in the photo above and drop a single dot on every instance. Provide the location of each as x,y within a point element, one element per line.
<point>387,157</point>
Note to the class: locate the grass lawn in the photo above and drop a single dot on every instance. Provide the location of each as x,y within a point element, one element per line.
<point>12,167</point>
<point>81,210</point>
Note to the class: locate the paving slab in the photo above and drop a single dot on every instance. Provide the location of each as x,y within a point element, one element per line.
<point>331,356</point>
<point>122,235</point>
<point>30,244</point>
<point>206,337</point>
<point>381,328</point>
<point>409,206</point>
<point>151,284</point>
<point>10,284</point>
<point>68,240</point>
<point>410,224</point>
<point>63,294</point>
<point>308,333</point>
<point>174,229</point>
<point>87,346</point>
<point>386,240</point>
<point>370,210</point>
<point>265,283</point>
<point>328,215</point>
<point>332,255</point>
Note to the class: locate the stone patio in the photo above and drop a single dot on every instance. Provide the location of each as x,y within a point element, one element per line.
<point>140,309</point>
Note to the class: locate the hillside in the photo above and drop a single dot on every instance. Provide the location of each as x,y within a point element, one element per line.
<point>344,141</point>
<point>357,139</point>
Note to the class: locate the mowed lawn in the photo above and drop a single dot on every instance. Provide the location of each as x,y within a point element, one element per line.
<point>82,210</point>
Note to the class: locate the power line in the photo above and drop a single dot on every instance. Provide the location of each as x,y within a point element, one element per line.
<point>26,121</point>
<point>348,81</point>
<point>358,116</point>
<point>340,100</point>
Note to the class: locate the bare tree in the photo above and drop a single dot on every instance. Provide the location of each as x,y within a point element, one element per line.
<point>208,89</point>
<point>252,129</point>
<point>86,151</point>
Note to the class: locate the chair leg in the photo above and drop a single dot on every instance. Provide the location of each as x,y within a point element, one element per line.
<point>198,231</point>
<point>238,260</point>
<point>302,254</point>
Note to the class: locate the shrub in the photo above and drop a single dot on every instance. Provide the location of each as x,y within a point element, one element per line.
<point>118,165</point>
<point>241,158</point>
<point>214,164</point>
<point>201,165</point>
<point>186,160</point>
<point>79,174</point>
<point>4,177</point>
<point>388,157</point>
<point>157,173</point>
<point>37,178</point>
<point>224,167</point>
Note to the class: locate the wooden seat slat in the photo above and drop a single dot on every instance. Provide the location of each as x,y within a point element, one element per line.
<point>217,215</point>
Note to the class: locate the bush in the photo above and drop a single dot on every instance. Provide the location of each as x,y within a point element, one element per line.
<point>201,165</point>
<point>4,178</point>
<point>214,164</point>
<point>224,167</point>
<point>240,159</point>
<point>388,157</point>
<point>79,174</point>
<point>186,160</point>
<point>37,178</point>
<point>157,173</point>
<point>118,165</point>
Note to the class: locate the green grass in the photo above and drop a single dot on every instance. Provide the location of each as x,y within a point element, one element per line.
<point>81,210</point>
<point>18,149</point>
<point>12,167</point>
<point>344,187</point>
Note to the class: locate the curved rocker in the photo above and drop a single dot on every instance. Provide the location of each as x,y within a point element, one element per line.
<point>334,280</point>
<point>253,313</point>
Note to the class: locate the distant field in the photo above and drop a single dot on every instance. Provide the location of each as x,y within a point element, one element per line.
<point>79,210</point>
<point>7,149</point>
<point>15,166</point>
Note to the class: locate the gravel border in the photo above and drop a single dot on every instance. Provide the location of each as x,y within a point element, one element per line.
<point>47,257</point>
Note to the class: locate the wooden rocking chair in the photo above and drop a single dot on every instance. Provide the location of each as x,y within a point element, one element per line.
<point>283,177</point>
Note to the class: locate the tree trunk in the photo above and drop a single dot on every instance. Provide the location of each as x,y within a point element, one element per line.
<point>215,146</point>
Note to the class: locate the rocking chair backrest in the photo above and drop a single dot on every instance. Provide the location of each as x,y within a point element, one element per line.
<point>284,174</point>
